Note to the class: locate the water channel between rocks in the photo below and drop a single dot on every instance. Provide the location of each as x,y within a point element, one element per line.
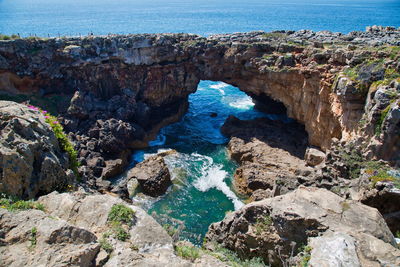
<point>201,171</point>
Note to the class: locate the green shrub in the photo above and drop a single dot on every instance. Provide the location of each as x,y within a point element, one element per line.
<point>397,235</point>
<point>64,142</point>
<point>14,204</point>
<point>121,214</point>
<point>120,233</point>
<point>262,224</point>
<point>33,239</point>
<point>4,37</point>
<point>379,123</point>
<point>187,252</point>
<point>232,259</point>
<point>104,244</point>
<point>171,230</point>
<point>305,252</point>
<point>381,176</point>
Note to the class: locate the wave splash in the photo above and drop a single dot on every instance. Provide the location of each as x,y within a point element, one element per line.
<point>213,176</point>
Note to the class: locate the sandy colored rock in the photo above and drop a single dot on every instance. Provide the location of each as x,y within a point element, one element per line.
<point>314,156</point>
<point>56,242</point>
<point>262,228</point>
<point>31,160</point>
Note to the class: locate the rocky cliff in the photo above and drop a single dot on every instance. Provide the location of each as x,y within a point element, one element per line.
<point>115,92</point>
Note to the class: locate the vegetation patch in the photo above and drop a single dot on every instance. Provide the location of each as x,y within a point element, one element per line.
<point>33,239</point>
<point>262,224</point>
<point>15,204</point>
<point>379,123</point>
<point>171,230</point>
<point>104,244</point>
<point>120,218</point>
<point>9,37</point>
<point>232,259</point>
<point>187,252</point>
<point>305,253</point>
<point>120,213</point>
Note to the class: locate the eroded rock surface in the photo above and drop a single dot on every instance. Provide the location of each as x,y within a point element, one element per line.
<point>153,176</point>
<point>31,161</point>
<point>33,238</point>
<point>75,230</point>
<point>122,89</point>
<point>271,155</point>
<point>275,226</point>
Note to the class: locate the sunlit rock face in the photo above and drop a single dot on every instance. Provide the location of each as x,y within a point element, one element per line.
<point>115,92</point>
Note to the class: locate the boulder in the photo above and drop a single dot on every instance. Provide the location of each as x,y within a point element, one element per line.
<point>274,227</point>
<point>32,238</point>
<point>314,156</point>
<point>31,161</point>
<point>153,176</point>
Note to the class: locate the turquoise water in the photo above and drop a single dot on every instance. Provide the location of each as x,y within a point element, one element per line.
<point>201,170</point>
<point>74,17</point>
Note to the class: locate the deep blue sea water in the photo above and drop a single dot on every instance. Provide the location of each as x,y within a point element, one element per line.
<point>205,17</point>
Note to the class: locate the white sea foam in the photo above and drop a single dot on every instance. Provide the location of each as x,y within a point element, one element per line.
<point>244,103</point>
<point>212,176</point>
<point>220,87</point>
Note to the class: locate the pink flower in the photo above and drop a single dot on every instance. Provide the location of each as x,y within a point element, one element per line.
<point>55,122</point>
<point>44,111</point>
<point>46,117</point>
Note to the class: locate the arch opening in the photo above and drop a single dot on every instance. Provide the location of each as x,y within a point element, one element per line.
<point>201,168</point>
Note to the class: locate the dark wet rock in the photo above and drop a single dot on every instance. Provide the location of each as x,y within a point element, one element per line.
<point>153,176</point>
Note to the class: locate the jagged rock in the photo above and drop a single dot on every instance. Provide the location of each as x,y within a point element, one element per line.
<point>153,176</point>
<point>265,227</point>
<point>165,68</point>
<point>270,153</point>
<point>148,243</point>
<point>31,161</point>
<point>314,156</point>
<point>32,238</point>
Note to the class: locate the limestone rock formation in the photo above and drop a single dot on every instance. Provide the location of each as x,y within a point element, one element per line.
<point>314,156</point>
<point>153,176</point>
<point>273,227</point>
<point>75,230</point>
<point>270,153</point>
<point>33,238</point>
<point>31,161</point>
<point>121,89</point>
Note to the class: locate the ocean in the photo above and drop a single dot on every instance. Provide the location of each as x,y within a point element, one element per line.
<point>204,17</point>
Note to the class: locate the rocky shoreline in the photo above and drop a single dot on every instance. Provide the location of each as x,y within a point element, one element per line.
<point>321,179</point>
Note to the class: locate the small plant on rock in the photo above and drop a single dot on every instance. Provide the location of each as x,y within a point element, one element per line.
<point>104,244</point>
<point>14,204</point>
<point>305,252</point>
<point>121,214</point>
<point>120,218</point>
<point>187,252</point>
<point>262,224</point>
<point>33,239</point>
